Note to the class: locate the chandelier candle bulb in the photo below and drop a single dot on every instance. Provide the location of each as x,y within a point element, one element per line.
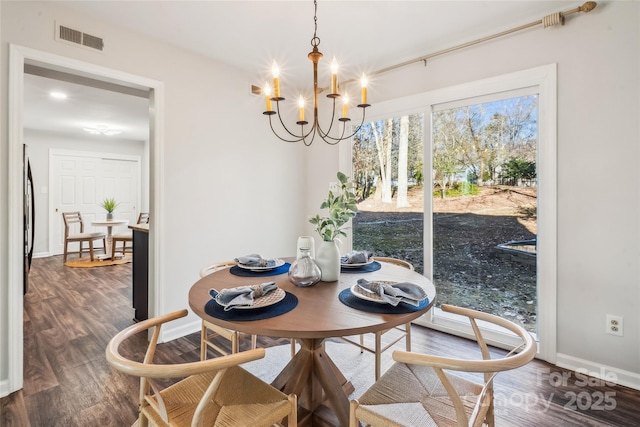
<point>363,82</point>
<point>334,76</point>
<point>301,105</point>
<point>276,79</point>
<point>267,92</point>
<point>345,107</point>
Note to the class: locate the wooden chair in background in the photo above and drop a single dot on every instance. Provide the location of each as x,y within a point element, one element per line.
<point>400,332</point>
<point>124,238</point>
<point>211,392</point>
<point>416,390</point>
<point>75,233</point>
<point>210,331</point>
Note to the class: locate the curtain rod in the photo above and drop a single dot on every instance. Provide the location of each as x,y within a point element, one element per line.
<point>547,21</point>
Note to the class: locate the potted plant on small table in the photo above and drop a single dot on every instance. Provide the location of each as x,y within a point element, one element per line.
<point>109,205</point>
<point>342,207</point>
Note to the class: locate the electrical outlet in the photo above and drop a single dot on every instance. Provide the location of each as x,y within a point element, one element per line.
<point>614,325</point>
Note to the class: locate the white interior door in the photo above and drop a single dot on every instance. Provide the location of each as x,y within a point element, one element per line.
<point>80,183</point>
<point>120,181</point>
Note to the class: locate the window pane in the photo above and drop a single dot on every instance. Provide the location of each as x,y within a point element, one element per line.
<point>388,169</point>
<point>485,207</point>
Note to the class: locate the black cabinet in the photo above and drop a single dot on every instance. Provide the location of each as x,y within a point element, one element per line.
<point>140,275</point>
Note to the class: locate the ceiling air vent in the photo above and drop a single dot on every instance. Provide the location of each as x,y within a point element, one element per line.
<point>69,35</point>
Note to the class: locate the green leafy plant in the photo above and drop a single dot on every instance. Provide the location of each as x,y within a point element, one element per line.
<point>109,204</point>
<point>342,207</point>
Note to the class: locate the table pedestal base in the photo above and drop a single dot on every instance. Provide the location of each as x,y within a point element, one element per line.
<point>321,388</point>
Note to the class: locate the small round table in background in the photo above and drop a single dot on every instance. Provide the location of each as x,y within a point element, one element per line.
<point>109,223</point>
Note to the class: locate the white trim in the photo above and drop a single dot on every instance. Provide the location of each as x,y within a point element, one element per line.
<point>446,322</point>
<point>181,331</point>
<point>18,55</point>
<point>598,370</point>
<point>73,153</point>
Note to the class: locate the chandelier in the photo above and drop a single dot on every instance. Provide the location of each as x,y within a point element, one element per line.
<point>308,133</point>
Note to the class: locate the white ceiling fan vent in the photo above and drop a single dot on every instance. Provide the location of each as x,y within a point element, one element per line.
<point>66,34</point>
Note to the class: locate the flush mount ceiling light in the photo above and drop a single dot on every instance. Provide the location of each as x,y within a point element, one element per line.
<point>102,130</point>
<point>307,134</point>
<point>58,95</point>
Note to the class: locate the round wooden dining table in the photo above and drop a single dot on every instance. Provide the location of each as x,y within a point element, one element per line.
<point>321,388</point>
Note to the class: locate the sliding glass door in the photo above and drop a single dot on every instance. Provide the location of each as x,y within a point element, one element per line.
<point>484,230</point>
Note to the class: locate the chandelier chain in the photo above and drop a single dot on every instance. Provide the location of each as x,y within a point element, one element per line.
<point>315,41</point>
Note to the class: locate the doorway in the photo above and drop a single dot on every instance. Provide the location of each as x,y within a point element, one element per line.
<point>19,58</point>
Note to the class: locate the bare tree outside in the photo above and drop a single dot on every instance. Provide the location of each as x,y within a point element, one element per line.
<point>484,198</point>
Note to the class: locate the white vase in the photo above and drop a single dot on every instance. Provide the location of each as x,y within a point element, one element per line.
<point>328,259</point>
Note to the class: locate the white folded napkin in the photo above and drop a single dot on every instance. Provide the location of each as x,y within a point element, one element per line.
<point>356,257</point>
<point>243,295</point>
<point>409,293</point>
<point>255,260</point>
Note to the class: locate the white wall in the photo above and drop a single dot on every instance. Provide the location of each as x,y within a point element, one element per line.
<point>228,187</point>
<point>40,143</point>
<point>598,57</point>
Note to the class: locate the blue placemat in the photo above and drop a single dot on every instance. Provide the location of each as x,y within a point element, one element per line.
<point>374,266</point>
<point>288,303</point>
<point>238,271</point>
<point>347,298</point>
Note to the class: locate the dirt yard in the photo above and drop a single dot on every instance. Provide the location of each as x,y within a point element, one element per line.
<point>468,269</point>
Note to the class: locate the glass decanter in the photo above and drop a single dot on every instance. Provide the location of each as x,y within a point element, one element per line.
<point>304,271</point>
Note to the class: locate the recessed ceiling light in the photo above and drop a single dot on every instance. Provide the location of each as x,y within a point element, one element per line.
<point>58,95</point>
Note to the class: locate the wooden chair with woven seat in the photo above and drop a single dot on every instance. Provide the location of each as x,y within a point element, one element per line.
<point>74,232</point>
<point>400,331</point>
<point>210,331</point>
<point>124,238</point>
<point>417,391</point>
<point>210,392</point>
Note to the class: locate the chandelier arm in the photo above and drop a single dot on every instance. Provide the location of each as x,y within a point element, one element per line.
<point>342,137</point>
<point>321,132</point>
<point>312,138</point>
<point>281,138</point>
<point>300,137</point>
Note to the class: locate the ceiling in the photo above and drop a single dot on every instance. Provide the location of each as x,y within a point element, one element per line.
<point>364,36</point>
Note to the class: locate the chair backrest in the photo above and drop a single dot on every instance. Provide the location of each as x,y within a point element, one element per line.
<point>147,370</point>
<point>217,266</point>
<point>143,218</point>
<point>400,262</point>
<point>519,356</point>
<point>70,218</point>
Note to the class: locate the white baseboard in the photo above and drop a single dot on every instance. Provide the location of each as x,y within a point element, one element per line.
<point>4,388</point>
<point>41,254</point>
<point>600,371</point>
<point>170,334</point>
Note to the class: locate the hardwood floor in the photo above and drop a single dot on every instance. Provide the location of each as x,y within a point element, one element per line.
<point>71,313</point>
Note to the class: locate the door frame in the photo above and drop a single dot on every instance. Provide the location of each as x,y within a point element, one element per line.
<point>545,78</point>
<point>18,56</point>
<point>52,217</point>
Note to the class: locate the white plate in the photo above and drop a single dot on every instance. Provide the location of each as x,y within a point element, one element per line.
<point>357,265</point>
<point>263,301</point>
<point>373,297</point>
<point>278,263</point>
<point>358,292</point>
